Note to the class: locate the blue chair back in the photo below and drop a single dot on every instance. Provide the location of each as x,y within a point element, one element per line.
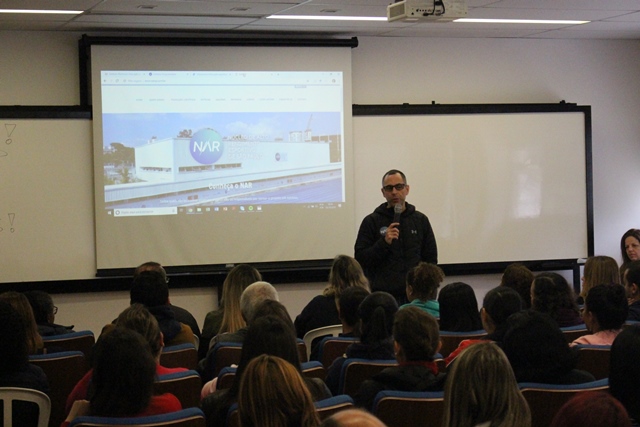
<point>545,400</point>
<point>179,356</point>
<point>355,371</point>
<point>190,417</point>
<point>405,408</point>
<point>64,370</point>
<point>330,406</point>
<point>185,385</point>
<point>75,341</point>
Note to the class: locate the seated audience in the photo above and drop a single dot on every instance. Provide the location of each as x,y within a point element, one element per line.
<point>632,285</point>
<point>322,310</point>
<point>605,311</point>
<point>422,285</point>
<point>348,304</point>
<point>598,270</point>
<point>137,318</point>
<point>376,335</point>
<point>459,308</point>
<point>266,335</point>
<point>228,317</point>
<point>551,294</point>
<point>20,303</point>
<point>498,304</point>
<point>624,371</point>
<point>352,418</point>
<point>45,314</point>
<point>181,315</point>
<point>518,277</point>
<point>539,352</point>
<point>593,409</point>
<point>124,371</point>
<point>251,298</point>
<point>630,247</point>
<point>273,394</point>
<point>416,341</point>
<point>15,369</point>
<point>481,390</point>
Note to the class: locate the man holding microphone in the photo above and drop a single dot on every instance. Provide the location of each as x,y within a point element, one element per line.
<point>394,238</point>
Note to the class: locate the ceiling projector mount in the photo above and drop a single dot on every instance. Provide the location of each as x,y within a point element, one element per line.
<point>427,10</point>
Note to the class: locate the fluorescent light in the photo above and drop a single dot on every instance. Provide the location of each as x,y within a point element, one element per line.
<point>62,12</point>
<point>329,18</point>
<point>522,21</point>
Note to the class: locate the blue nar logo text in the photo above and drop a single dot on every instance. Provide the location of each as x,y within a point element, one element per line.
<point>206,146</point>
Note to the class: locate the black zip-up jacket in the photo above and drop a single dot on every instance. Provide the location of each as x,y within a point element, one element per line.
<point>385,265</point>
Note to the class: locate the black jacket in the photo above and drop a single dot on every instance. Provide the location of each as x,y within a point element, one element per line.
<point>385,265</point>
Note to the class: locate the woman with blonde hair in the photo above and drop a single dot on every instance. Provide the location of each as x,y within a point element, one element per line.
<point>481,390</point>
<point>228,318</point>
<point>598,270</point>
<point>274,394</point>
<point>20,303</point>
<point>323,309</point>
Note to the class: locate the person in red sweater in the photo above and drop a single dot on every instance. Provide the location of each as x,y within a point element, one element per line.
<point>122,383</point>
<point>136,317</point>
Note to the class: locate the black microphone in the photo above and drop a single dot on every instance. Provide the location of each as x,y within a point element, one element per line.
<point>397,211</point>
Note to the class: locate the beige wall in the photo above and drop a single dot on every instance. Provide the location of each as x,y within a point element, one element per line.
<point>42,69</point>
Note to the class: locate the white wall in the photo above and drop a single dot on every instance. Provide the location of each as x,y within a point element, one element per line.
<point>42,69</point>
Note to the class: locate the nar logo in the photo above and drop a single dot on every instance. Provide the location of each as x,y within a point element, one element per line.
<point>206,146</point>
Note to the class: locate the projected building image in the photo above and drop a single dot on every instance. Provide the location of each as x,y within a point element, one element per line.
<point>207,166</point>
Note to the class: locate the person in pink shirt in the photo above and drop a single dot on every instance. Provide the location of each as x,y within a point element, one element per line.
<point>605,311</point>
<point>135,317</point>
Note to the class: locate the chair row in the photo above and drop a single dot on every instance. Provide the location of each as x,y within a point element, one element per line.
<point>228,353</point>
<point>65,369</point>
<point>427,408</point>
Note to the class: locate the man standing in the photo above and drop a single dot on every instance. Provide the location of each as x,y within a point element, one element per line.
<point>394,238</point>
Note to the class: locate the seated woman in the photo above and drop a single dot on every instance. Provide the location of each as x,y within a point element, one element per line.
<point>481,390</point>
<point>124,371</point>
<point>20,303</point>
<point>376,314</point>
<point>518,277</point>
<point>624,371</point>
<point>551,294</point>
<point>538,351</point>
<point>598,270</point>
<point>605,311</point>
<point>459,308</point>
<point>322,310</point>
<point>498,304</point>
<point>416,341</point>
<point>228,317</point>
<point>15,369</point>
<point>266,335</point>
<point>137,318</point>
<point>423,282</point>
<point>274,394</point>
<point>630,247</point>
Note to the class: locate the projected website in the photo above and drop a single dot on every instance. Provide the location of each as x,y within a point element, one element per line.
<point>195,142</point>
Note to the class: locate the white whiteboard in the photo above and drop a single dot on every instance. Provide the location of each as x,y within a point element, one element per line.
<point>496,187</point>
<point>46,200</point>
